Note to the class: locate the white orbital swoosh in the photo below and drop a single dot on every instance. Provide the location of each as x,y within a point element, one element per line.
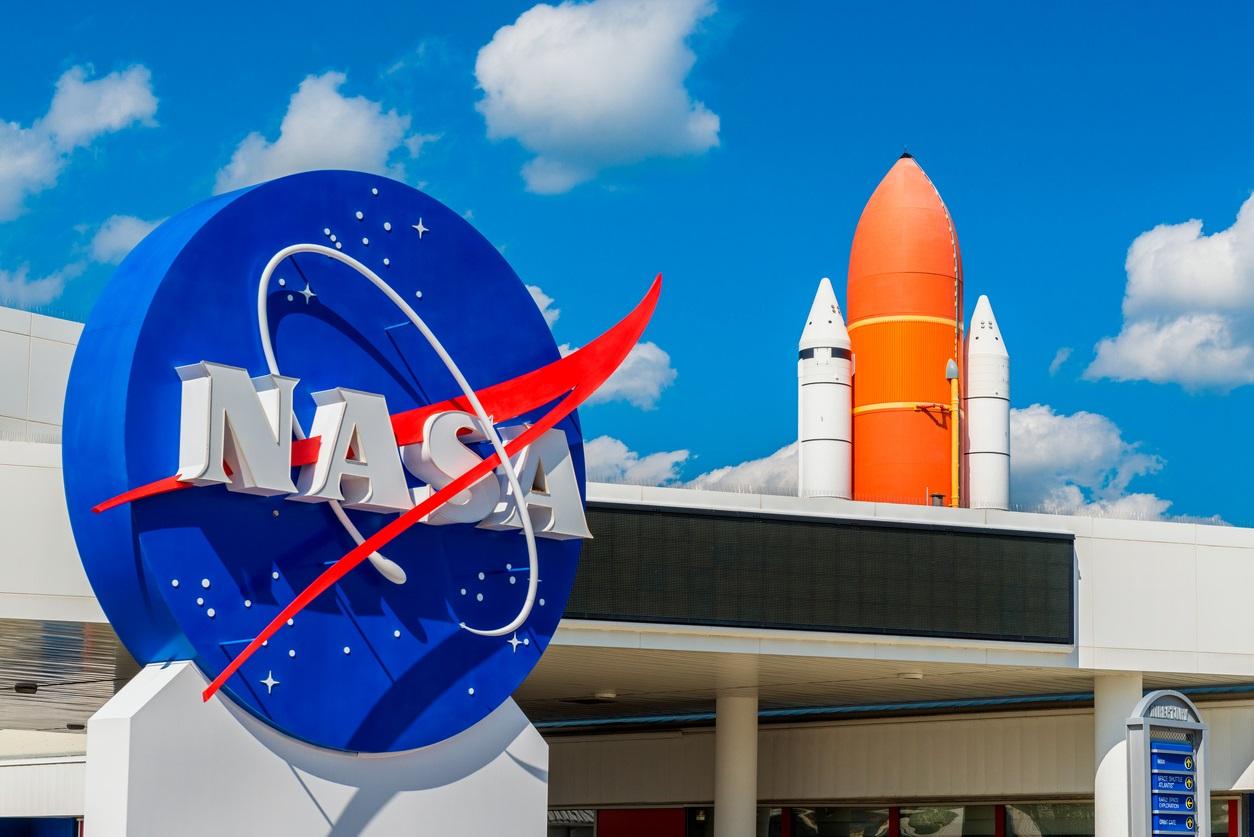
<point>388,568</point>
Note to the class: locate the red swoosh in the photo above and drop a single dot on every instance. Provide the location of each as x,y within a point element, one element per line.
<point>502,402</point>
<point>576,376</point>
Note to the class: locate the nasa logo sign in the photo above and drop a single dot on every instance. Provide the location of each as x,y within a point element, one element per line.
<point>319,440</point>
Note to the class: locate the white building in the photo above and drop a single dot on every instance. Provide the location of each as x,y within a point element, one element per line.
<point>782,666</point>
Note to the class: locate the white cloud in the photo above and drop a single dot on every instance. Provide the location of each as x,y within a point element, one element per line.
<point>18,288</point>
<point>416,142</point>
<point>29,163</point>
<point>83,109</point>
<point>1078,464</point>
<point>610,460</point>
<point>323,129</point>
<point>1060,357</point>
<point>117,236</point>
<point>1194,350</point>
<point>585,86</point>
<point>1062,464</point>
<point>1188,308</point>
<point>545,303</point>
<point>32,158</point>
<point>774,474</point>
<point>640,379</point>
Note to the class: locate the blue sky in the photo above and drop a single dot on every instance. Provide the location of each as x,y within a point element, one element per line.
<point>731,147</point>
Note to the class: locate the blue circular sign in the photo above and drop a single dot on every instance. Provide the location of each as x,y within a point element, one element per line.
<point>370,665</point>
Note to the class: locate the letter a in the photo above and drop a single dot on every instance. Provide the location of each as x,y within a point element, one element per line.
<point>358,462</point>
<point>547,475</point>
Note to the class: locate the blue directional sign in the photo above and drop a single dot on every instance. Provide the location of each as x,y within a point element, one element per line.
<point>1171,782</point>
<point>1173,803</point>
<point>1174,824</point>
<point>1171,762</point>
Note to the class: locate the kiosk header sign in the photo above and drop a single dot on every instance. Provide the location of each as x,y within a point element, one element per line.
<point>1167,784</point>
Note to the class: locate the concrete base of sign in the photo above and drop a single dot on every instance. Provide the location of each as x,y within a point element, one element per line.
<point>159,762</point>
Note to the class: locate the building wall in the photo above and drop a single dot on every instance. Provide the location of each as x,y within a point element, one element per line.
<point>962,758</point>
<point>648,769</point>
<point>35,354</point>
<point>46,787</point>
<point>1164,596</point>
<point>1230,747</point>
<point>19,744</point>
<point>41,576</point>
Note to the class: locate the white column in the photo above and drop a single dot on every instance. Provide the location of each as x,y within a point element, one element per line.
<point>1114,698</point>
<point>736,764</point>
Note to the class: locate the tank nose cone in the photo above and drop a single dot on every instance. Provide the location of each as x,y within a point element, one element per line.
<point>985,336</point>
<point>824,325</point>
<point>905,229</point>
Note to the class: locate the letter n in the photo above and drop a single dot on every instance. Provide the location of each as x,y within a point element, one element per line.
<point>232,421</point>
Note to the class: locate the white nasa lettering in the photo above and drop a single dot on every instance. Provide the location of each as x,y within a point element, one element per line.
<point>547,475</point>
<point>230,420</point>
<point>358,462</point>
<point>246,423</point>
<point>442,456</point>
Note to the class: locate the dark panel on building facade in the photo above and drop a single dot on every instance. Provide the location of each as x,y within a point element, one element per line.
<point>861,576</point>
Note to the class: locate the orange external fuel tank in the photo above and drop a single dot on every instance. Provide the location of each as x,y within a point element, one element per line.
<point>904,305</point>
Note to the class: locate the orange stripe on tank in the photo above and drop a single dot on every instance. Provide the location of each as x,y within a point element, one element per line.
<point>903,318</point>
<point>912,406</point>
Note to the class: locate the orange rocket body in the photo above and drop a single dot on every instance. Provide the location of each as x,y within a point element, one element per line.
<point>904,303</point>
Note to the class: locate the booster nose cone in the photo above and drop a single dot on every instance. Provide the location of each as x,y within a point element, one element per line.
<point>825,327</point>
<point>984,338</point>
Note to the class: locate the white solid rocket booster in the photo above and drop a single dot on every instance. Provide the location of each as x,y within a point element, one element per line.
<point>824,401</point>
<point>987,412</point>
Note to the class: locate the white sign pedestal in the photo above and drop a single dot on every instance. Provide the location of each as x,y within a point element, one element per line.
<point>161,762</point>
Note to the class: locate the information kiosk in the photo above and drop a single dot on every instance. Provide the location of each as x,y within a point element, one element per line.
<point>1167,786</point>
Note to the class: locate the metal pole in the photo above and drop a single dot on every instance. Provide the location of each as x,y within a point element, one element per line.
<point>951,372</point>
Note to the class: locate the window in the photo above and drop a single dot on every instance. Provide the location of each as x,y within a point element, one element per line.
<point>1219,820</point>
<point>839,822</point>
<point>948,821</point>
<point>700,822</point>
<point>576,823</point>
<point>1050,819</point>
